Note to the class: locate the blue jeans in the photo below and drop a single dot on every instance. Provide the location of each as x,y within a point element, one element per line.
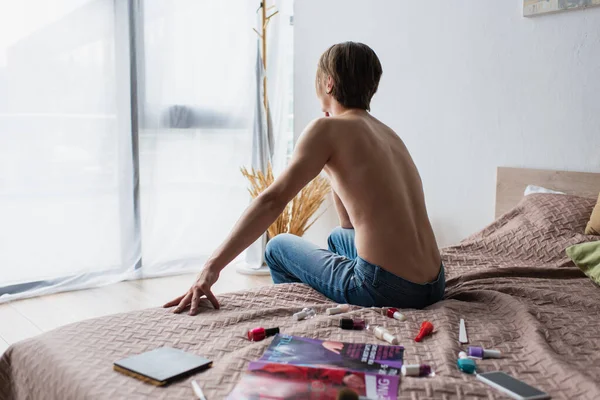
<point>343,276</point>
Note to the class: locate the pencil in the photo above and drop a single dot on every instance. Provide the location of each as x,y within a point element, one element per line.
<point>198,390</point>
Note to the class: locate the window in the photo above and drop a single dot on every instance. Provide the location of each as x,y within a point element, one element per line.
<point>123,125</point>
<point>64,209</point>
<point>196,131</point>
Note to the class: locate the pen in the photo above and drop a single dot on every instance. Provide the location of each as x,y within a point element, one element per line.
<point>198,390</point>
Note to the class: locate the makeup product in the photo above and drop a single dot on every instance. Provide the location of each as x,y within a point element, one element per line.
<point>198,391</point>
<point>353,324</point>
<point>258,334</point>
<point>480,352</point>
<point>426,330</point>
<point>462,332</point>
<point>462,354</point>
<point>466,365</point>
<point>416,370</point>
<point>394,313</point>
<point>383,334</point>
<point>306,313</point>
<point>342,308</point>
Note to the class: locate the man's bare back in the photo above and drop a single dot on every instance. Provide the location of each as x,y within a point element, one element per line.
<point>390,257</point>
<point>379,186</point>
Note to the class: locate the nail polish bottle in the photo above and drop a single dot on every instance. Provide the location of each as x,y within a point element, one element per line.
<point>481,353</point>
<point>394,313</point>
<point>466,364</point>
<point>306,313</point>
<point>416,370</point>
<point>426,330</point>
<point>342,308</point>
<point>258,334</point>
<point>383,334</point>
<point>352,324</point>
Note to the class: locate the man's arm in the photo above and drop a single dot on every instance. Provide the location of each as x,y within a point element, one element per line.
<point>341,211</point>
<point>312,152</point>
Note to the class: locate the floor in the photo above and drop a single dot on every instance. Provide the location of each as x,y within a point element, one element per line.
<point>26,318</point>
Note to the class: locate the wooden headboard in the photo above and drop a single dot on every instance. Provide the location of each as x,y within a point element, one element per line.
<point>511,183</point>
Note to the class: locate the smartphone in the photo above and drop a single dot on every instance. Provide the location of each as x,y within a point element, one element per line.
<point>511,386</point>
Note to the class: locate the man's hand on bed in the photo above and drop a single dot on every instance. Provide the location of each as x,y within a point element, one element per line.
<point>200,288</point>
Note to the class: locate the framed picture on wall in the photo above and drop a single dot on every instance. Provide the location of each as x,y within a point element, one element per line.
<point>536,7</point>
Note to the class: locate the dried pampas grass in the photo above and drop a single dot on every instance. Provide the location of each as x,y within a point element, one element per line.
<point>298,214</point>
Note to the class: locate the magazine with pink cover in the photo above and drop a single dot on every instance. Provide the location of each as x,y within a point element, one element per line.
<point>287,381</point>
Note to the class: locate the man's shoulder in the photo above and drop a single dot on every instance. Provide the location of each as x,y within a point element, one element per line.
<point>334,124</point>
<point>323,122</point>
<point>320,127</point>
<point>333,127</point>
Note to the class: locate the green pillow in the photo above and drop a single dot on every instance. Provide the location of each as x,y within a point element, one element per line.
<point>587,257</point>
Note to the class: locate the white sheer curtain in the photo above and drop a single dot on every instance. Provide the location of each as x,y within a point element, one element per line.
<point>198,103</point>
<point>86,198</point>
<point>275,135</point>
<point>200,94</point>
<point>66,188</point>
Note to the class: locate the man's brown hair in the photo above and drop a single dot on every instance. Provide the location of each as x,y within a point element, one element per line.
<point>355,71</point>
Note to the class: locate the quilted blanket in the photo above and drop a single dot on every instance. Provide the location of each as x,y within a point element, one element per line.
<point>511,282</point>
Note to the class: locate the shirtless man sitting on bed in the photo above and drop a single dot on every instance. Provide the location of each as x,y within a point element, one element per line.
<point>384,253</point>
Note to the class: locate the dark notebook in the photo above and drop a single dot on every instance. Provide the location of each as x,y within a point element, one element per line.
<point>161,366</point>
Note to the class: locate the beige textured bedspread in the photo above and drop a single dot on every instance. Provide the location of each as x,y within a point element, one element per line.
<point>511,282</point>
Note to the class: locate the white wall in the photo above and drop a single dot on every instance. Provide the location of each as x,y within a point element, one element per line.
<point>469,86</point>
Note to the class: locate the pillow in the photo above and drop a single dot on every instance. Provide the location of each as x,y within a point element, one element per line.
<point>558,213</point>
<point>587,257</point>
<point>531,189</point>
<point>593,227</point>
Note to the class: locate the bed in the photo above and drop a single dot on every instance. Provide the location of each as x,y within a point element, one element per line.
<point>511,282</point>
